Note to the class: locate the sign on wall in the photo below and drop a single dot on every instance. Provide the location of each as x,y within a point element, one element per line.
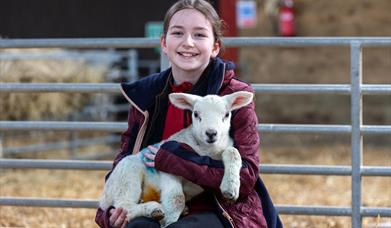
<point>154,29</point>
<point>246,14</point>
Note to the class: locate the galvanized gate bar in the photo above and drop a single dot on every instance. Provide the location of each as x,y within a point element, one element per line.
<point>305,41</point>
<point>63,126</point>
<point>303,128</point>
<point>81,43</point>
<point>283,209</point>
<point>376,171</point>
<point>342,89</point>
<point>54,164</point>
<point>374,212</point>
<point>155,42</point>
<point>323,170</point>
<point>47,202</point>
<point>332,211</point>
<point>60,87</point>
<point>356,137</point>
<point>120,127</point>
<point>302,88</point>
<point>314,210</point>
<point>61,145</point>
<point>265,168</point>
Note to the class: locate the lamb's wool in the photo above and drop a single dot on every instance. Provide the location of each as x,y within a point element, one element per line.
<point>208,135</point>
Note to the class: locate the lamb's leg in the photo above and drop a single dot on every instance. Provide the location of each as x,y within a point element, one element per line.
<point>172,198</point>
<point>151,209</point>
<point>126,187</point>
<point>123,185</point>
<point>130,200</point>
<point>230,183</point>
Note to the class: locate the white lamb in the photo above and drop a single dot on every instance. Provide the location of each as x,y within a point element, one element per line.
<point>161,196</point>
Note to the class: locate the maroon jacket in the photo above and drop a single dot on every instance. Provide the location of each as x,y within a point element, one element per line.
<point>148,97</point>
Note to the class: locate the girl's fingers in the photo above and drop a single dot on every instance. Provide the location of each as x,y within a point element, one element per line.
<point>124,224</point>
<point>115,213</point>
<point>150,156</point>
<point>118,217</point>
<point>121,220</point>
<point>153,149</point>
<point>149,164</point>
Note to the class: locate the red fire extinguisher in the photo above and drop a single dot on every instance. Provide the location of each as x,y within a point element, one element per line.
<point>286,18</point>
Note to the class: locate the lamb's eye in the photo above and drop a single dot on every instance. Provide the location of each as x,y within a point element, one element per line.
<point>196,114</point>
<point>226,116</point>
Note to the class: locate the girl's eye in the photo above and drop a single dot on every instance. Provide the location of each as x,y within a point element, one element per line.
<point>199,35</point>
<point>176,33</point>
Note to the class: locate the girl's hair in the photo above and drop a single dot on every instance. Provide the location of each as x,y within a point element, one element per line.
<point>203,7</point>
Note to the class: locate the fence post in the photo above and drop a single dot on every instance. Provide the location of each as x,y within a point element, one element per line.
<point>132,65</point>
<point>164,63</point>
<point>356,136</point>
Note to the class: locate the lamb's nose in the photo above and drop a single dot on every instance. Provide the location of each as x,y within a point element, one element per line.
<point>211,135</point>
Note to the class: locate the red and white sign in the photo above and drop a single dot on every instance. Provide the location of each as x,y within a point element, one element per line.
<point>246,14</point>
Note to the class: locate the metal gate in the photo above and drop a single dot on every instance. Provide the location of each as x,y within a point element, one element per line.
<point>356,89</point>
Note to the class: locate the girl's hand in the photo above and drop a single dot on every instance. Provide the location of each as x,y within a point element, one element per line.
<point>150,154</point>
<point>118,218</point>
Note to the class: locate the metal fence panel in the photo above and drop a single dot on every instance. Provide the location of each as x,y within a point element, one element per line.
<point>356,129</point>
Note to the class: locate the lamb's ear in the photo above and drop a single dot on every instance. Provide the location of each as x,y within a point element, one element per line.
<point>183,100</point>
<point>239,99</point>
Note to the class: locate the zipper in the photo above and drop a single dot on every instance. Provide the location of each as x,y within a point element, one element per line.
<point>153,119</point>
<point>222,81</point>
<point>225,213</point>
<point>141,132</point>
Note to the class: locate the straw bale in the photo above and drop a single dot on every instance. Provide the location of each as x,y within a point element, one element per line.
<point>33,106</point>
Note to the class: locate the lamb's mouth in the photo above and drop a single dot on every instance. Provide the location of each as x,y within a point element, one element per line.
<point>210,141</point>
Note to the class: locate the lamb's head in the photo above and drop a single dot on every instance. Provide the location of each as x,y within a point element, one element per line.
<point>211,115</point>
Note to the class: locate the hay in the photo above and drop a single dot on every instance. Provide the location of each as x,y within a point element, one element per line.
<point>34,106</point>
<point>285,189</point>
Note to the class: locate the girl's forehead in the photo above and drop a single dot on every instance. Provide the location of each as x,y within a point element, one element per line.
<point>190,18</point>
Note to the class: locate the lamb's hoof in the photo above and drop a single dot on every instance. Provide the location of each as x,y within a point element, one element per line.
<point>157,214</point>
<point>185,211</point>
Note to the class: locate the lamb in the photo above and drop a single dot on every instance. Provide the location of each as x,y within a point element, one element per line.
<point>161,196</point>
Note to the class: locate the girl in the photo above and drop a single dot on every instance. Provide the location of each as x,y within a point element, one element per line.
<point>192,40</point>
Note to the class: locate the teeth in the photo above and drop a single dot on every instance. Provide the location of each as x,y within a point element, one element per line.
<point>187,54</point>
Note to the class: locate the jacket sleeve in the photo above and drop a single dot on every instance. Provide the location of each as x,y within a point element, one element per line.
<point>102,217</point>
<point>180,159</point>
<point>127,143</point>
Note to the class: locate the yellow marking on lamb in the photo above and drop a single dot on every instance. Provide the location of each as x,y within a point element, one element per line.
<point>150,193</point>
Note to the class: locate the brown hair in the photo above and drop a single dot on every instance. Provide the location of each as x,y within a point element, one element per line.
<point>203,7</point>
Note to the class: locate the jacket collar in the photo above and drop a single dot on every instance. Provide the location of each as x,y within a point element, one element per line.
<point>142,93</point>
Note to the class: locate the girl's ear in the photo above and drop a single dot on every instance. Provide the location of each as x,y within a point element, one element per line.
<point>163,43</point>
<point>216,49</point>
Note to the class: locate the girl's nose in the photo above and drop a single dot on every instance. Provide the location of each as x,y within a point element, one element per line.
<point>189,40</point>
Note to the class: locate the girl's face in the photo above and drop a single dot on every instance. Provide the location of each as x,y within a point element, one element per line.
<point>189,43</point>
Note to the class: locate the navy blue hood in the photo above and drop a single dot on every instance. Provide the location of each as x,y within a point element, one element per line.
<point>143,92</point>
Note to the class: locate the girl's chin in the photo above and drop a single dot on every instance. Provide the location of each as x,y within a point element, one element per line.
<point>187,64</point>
